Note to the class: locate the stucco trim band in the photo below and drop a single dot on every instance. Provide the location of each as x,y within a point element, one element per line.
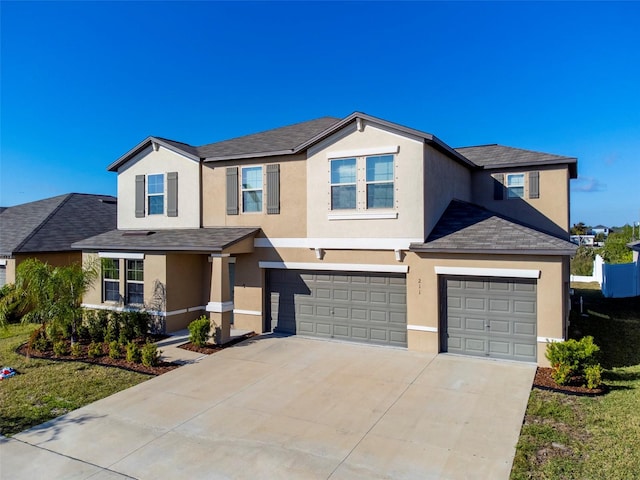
<point>549,340</point>
<point>343,267</point>
<point>337,243</point>
<point>362,216</point>
<point>257,313</point>
<point>488,272</point>
<point>421,328</point>
<point>220,307</point>
<point>134,309</point>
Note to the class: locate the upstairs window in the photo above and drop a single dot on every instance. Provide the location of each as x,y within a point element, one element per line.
<point>110,280</point>
<point>135,282</point>
<point>515,185</point>
<point>252,189</point>
<point>380,181</point>
<point>343,184</point>
<point>155,194</point>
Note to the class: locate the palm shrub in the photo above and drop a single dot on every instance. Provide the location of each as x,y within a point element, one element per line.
<point>199,331</point>
<point>38,340</point>
<point>575,358</point>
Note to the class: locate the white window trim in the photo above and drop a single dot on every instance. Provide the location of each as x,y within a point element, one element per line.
<point>124,255</point>
<point>488,272</point>
<point>242,189</point>
<point>507,187</point>
<point>163,194</point>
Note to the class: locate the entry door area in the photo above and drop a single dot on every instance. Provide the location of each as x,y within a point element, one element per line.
<point>359,307</point>
<point>490,317</point>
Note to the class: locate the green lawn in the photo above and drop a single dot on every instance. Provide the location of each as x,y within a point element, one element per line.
<point>571,437</point>
<point>46,389</point>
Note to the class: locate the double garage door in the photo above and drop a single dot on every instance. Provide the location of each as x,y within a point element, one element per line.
<point>354,306</point>
<point>490,317</point>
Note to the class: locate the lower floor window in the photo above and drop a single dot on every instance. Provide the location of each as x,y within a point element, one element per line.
<point>135,282</point>
<point>111,279</point>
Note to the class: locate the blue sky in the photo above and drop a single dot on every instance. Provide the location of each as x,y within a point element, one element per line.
<point>84,82</point>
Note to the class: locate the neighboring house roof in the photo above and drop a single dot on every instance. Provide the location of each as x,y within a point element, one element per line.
<point>53,224</point>
<point>281,141</point>
<point>2,209</point>
<point>599,227</point>
<point>468,228</point>
<point>183,240</point>
<point>498,156</point>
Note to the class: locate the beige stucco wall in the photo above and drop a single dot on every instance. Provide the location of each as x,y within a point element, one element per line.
<point>549,212</point>
<point>408,172</point>
<point>290,222</point>
<point>444,180</point>
<point>56,259</point>
<point>149,162</point>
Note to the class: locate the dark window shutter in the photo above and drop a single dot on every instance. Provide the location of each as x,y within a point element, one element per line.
<point>172,194</point>
<point>273,188</point>
<point>140,196</point>
<point>534,184</point>
<point>498,186</point>
<point>232,190</point>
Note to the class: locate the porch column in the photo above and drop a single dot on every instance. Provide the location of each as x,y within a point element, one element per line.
<point>220,306</point>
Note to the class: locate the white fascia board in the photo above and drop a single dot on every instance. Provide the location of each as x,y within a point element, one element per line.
<point>337,243</point>
<point>363,152</point>
<point>421,328</point>
<point>342,267</point>
<point>125,255</point>
<point>488,272</point>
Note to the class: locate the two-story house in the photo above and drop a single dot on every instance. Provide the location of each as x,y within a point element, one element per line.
<point>356,229</point>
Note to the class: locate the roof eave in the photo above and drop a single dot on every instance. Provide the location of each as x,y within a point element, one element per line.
<point>244,156</point>
<point>420,248</point>
<point>144,144</point>
<point>570,161</point>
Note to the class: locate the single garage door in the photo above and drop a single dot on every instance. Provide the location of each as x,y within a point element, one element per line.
<point>3,275</point>
<point>493,318</point>
<point>360,307</point>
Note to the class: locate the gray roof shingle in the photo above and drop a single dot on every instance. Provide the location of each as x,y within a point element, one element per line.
<point>468,228</point>
<point>500,156</point>
<point>184,240</point>
<point>53,224</point>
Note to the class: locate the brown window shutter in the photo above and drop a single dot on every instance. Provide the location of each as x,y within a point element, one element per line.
<point>534,184</point>
<point>273,189</point>
<point>232,190</point>
<point>172,194</point>
<point>140,194</point>
<point>498,186</point>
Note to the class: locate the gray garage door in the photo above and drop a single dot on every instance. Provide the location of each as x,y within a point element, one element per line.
<point>370,308</point>
<point>3,275</point>
<point>493,318</point>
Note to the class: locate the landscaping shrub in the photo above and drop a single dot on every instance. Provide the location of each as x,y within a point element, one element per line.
<point>199,331</point>
<point>115,349</point>
<point>112,331</point>
<point>76,349</point>
<point>94,350</point>
<point>38,340</point>
<point>96,323</point>
<point>141,324</point>
<point>60,348</point>
<point>127,327</point>
<point>593,375</point>
<point>150,355</point>
<point>572,358</point>
<point>134,355</point>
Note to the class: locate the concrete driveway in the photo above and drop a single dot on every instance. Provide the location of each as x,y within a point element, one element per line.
<point>291,407</point>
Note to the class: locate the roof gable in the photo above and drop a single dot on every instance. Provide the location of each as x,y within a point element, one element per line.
<point>53,224</point>
<point>468,228</point>
<point>500,156</point>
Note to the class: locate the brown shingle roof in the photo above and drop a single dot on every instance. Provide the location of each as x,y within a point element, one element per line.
<point>469,228</point>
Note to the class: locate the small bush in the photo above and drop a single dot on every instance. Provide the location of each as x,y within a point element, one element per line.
<point>593,375</point>
<point>94,350</point>
<point>127,327</point>
<point>38,340</point>
<point>112,332</point>
<point>141,324</point>
<point>60,348</point>
<point>115,350</point>
<point>199,331</point>
<point>134,355</point>
<point>76,349</point>
<point>150,355</point>
<point>96,323</point>
<point>571,358</point>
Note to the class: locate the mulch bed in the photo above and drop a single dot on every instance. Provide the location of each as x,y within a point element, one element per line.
<point>104,360</point>
<point>544,381</point>
<point>210,348</point>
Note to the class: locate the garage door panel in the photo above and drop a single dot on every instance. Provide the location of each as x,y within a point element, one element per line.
<point>491,317</point>
<point>361,307</point>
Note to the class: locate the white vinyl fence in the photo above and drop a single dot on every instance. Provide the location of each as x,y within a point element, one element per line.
<point>616,281</point>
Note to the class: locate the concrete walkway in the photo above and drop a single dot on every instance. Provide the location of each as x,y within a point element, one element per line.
<point>292,408</point>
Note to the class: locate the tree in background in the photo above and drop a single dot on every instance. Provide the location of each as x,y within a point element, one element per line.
<point>582,261</point>
<point>615,248</point>
<point>53,295</point>
<point>579,229</point>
